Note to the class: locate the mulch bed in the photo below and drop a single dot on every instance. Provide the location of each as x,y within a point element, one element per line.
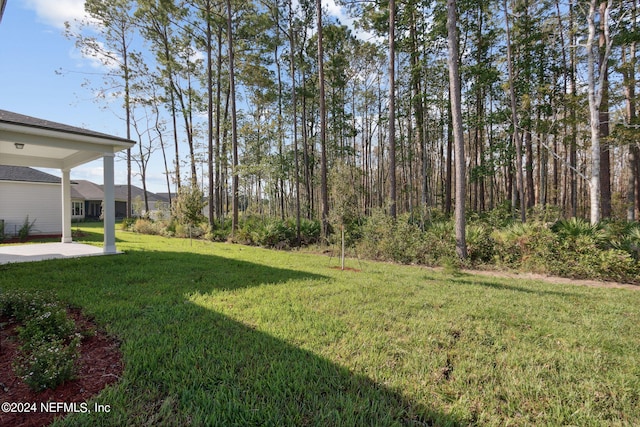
<point>100,364</point>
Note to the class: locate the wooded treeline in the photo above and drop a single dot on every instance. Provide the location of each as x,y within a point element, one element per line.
<point>227,95</point>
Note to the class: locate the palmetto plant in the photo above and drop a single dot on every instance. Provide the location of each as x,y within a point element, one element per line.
<point>624,236</point>
<point>577,227</point>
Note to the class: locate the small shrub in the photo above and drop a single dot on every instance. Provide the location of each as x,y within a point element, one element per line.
<point>531,246</point>
<point>145,226</point>
<point>309,231</point>
<point>438,243</point>
<point>375,231</point>
<point>49,346</point>
<point>220,231</point>
<point>480,245</point>
<point>576,227</point>
<point>21,305</point>
<point>26,228</point>
<point>49,321</point>
<point>614,264</point>
<point>405,245</point>
<point>127,224</point>
<point>48,363</point>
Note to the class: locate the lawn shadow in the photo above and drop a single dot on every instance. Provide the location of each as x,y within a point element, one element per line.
<point>227,373</point>
<point>500,286</point>
<point>189,365</point>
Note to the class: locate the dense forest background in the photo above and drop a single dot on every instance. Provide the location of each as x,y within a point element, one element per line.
<point>274,108</point>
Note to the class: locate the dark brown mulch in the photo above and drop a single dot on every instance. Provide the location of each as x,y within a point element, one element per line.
<point>100,364</point>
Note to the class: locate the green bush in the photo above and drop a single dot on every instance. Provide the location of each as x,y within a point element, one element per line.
<point>576,227</point>
<point>529,246</point>
<point>615,264</point>
<point>438,244</point>
<point>49,345</point>
<point>220,232</point>
<point>405,243</point>
<point>47,363</point>
<point>145,226</point>
<point>480,244</point>
<point>127,224</point>
<point>376,231</point>
<point>309,231</point>
<point>21,305</point>
<point>48,322</point>
<point>385,239</point>
<point>275,232</point>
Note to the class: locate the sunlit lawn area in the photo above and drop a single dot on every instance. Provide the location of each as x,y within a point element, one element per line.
<point>220,334</point>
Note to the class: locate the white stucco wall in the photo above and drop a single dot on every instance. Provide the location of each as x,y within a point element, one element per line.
<point>40,201</point>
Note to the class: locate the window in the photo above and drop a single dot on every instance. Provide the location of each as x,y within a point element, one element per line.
<point>77,208</point>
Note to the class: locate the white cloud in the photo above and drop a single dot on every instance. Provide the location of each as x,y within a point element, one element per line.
<point>340,13</point>
<point>90,171</point>
<point>333,9</point>
<point>98,55</point>
<point>56,13</point>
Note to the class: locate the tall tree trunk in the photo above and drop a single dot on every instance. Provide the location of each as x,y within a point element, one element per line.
<point>392,112</point>
<point>595,92</point>
<point>219,187</point>
<point>234,121</point>
<point>528,144</point>
<point>605,158</point>
<point>324,190</point>
<point>280,181</point>
<point>629,82</point>
<point>456,109</point>
<point>294,105</point>
<point>448,184</point>
<point>127,107</point>
<point>514,119</point>
<point>565,77</point>
<point>305,152</point>
<point>573,154</point>
<point>210,152</point>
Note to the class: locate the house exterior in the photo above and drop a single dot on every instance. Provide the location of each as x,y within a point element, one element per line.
<point>27,192</point>
<point>86,200</point>
<point>156,202</point>
<point>30,193</point>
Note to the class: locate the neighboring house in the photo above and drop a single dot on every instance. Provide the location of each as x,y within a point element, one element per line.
<point>30,193</point>
<point>87,196</point>
<point>86,200</point>
<point>156,201</point>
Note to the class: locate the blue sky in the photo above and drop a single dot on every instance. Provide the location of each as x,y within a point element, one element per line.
<point>32,49</point>
<point>41,75</point>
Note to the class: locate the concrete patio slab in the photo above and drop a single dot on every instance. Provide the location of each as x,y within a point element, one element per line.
<point>43,251</point>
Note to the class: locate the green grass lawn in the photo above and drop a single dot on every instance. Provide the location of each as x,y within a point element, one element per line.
<point>220,334</point>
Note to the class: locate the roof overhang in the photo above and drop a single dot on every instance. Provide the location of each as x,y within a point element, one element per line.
<point>44,146</point>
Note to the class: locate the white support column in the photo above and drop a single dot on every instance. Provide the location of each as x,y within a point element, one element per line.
<point>66,206</point>
<point>109,206</point>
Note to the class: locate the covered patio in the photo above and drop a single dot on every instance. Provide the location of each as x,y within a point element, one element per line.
<point>29,141</point>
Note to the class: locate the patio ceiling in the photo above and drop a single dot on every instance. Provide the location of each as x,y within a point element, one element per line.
<point>28,141</point>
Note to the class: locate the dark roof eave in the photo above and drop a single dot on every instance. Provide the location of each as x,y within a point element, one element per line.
<point>17,119</point>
